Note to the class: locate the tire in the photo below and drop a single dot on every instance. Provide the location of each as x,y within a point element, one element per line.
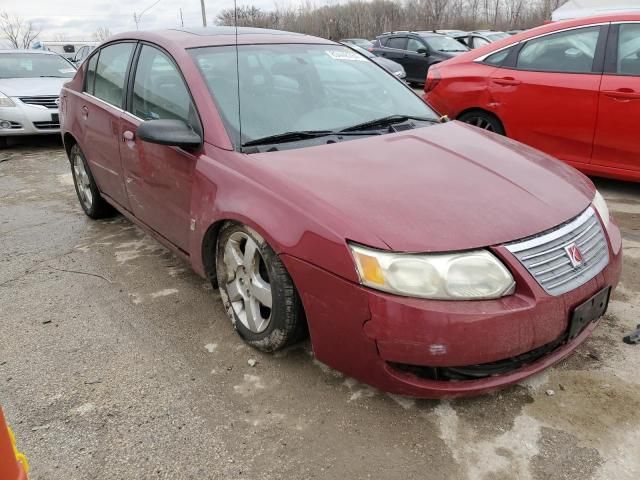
<point>250,276</point>
<point>88,194</point>
<point>484,120</point>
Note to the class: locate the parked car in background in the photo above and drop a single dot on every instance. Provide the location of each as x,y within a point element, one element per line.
<point>390,65</point>
<point>68,49</point>
<point>571,89</point>
<point>30,83</point>
<point>416,51</point>
<point>299,183</point>
<point>480,38</point>
<point>514,32</point>
<point>82,53</point>
<point>360,42</point>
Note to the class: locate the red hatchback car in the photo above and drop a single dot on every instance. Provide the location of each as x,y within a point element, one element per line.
<point>321,194</point>
<point>570,89</point>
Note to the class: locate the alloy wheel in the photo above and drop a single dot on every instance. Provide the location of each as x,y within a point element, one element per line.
<point>83,182</point>
<point>480,122</point>
<point>247,282</point>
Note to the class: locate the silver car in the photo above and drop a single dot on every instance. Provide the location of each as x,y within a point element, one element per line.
<point>30,83</point>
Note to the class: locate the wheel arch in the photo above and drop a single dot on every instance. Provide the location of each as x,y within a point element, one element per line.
<point>68,140</point>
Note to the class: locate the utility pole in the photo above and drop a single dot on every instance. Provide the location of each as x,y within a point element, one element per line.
<point>204,15</point>
<point>138,17</point>
<point>181,19</point>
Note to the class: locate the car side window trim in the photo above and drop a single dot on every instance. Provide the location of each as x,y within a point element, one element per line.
<point>129,84</point>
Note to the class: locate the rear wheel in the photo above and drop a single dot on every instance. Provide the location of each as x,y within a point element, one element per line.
<point>483,120</point>
<point>88,194</point>
<point>257,291</point>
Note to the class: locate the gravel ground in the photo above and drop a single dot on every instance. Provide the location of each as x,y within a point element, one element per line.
<point>117,362</point>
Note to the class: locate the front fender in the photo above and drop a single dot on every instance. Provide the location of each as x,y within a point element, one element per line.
<point>221,192</point>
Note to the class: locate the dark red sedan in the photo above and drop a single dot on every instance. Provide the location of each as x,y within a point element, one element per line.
<point>570,89</point>
<point>321,194</point>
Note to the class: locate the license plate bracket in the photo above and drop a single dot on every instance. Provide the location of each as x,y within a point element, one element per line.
<point>588,312</point>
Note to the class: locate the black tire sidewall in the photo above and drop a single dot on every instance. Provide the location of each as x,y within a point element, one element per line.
<point>98,208</point>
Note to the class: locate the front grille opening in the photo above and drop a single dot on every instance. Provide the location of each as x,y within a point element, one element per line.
<point>48,101</point>
<point>476,372</point>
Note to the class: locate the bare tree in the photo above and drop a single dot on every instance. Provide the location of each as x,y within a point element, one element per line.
<point>101,34</point>
<point>60,37</point>
<point>18,32</point>
<point>366,19</point>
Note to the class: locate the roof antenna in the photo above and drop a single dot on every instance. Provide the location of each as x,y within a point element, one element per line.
<point>235,22</point>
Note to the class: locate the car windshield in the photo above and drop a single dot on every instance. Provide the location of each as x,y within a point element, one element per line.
<point>304,88</point>
<point>33,65</point>
<point>494,37</point>
<point>442,43</point>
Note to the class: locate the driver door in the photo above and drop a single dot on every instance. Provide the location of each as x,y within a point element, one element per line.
<point>158,178</point>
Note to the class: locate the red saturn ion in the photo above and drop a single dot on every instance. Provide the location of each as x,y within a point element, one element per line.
<point>321,194</point>
<point>570,89</point>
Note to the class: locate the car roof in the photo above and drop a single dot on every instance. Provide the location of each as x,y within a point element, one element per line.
<point>21,50</point>
<point>213,36</point>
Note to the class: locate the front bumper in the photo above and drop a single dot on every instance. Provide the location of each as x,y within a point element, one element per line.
<point>366,334</point>
<point>28,120</point>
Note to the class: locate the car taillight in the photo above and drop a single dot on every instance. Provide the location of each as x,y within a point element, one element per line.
<point>370,49</point>
<point>433,79</point>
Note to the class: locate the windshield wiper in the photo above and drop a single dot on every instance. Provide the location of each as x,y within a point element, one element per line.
<point>390,120</point>
<point>295,136</point>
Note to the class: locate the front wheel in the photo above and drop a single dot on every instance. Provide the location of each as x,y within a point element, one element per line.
<point>484,120</point>
<point>257,291</point>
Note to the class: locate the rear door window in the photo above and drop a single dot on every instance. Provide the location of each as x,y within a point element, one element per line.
<point>91,74</point>
<point>572,51</point>
<point>397,42</point>
<point>111,73</point>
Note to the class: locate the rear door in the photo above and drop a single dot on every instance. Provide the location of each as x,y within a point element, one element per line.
<point>548,96</point>
<point>101,107</point>
<point>616,142</point>
<point>159,178</point>
<point>395,50</point>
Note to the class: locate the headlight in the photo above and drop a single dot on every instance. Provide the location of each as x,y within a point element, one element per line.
<point>6,101</point>
<point>600,204</point>
<point>472,275</point>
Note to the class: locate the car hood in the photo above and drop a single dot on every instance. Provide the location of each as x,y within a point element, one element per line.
<point>445,187</point>
<point>28,87</point>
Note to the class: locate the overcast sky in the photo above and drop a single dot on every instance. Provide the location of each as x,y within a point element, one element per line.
<point>78,19</point>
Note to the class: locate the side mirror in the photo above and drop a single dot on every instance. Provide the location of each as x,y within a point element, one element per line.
<point>175,133</point>
<point>423,51</point>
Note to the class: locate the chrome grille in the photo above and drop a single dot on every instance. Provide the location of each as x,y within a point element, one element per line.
<point>46,125</point>
<point>546,258</point>
<point>49,101</point>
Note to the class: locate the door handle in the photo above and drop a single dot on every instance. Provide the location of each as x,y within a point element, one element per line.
<point>128,136</point>
<point>622,94</point>
<point>507,81</point>
<point>85,111</point>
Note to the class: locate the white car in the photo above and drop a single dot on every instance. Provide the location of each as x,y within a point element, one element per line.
<point>30,84</point>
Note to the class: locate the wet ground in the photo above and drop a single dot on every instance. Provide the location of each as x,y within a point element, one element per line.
<point>117,362</point>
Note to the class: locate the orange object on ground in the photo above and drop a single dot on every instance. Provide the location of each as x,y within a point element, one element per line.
<point>13,465</point>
